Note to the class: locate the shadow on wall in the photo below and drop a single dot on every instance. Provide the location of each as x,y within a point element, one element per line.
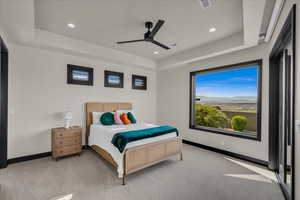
<point>58,116</point>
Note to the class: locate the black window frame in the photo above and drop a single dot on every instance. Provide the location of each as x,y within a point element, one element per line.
<point>259,63</point>
<point>4,62</point>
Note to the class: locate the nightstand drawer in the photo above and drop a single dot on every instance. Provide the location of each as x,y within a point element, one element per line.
<point>69,133</point>
<point>66,141</point>
<point>68,150</point>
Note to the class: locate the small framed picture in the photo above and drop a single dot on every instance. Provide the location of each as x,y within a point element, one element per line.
<point>113,79</point>
<point>139,82</point>
<point>80,75</point>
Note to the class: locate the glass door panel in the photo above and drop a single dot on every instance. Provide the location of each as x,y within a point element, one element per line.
<point>282,117</point>
<point>286,118</point>
<point>289,115</point>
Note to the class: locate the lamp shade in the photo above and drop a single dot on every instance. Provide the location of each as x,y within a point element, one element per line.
<point>67,115</point>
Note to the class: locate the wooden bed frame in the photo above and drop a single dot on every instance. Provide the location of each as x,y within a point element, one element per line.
<point>138,157</point>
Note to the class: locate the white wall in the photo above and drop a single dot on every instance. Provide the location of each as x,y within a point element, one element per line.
<point>284,14</point>
<point>173,98</point>
<point>173,103</point>
<point>2,32</point>
<point>38,93</point>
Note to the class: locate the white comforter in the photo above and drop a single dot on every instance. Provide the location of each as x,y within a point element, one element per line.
<point>102,135</point>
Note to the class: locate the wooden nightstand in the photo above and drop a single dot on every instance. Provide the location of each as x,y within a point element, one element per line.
<point>66,141</point>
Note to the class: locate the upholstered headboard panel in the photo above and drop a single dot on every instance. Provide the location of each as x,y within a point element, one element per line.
<point>102,107</point>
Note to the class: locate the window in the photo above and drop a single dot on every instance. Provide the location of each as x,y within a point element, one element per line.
<point>227,100</point>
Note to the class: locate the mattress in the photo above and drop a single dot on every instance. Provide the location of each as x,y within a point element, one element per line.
<point>102,135</point>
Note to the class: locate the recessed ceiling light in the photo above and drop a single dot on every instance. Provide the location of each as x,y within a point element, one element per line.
<point>156,52</point>
<point>213,29</point>
<point>205,3</point>
<point>70,25</point>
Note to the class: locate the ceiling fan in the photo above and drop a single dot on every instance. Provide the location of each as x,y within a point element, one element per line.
<point>149,35</point>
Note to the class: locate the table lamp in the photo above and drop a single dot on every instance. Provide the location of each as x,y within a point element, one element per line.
<point>67,118</point>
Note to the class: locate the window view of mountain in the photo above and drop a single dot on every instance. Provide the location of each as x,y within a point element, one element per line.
<point>230,103</point>
<point>234,89</point>
<point>237,99</point>
<point>227,99</point>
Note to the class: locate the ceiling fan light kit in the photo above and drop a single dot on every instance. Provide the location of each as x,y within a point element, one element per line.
<point>149,35</point>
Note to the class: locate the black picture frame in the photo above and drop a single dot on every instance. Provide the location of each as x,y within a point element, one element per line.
<point>140,78</point>
<point>110,82</point>
<point>259,63</point>
<point>87,70</point>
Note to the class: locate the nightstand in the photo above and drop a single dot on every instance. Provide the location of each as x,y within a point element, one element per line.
<point>66,141</point>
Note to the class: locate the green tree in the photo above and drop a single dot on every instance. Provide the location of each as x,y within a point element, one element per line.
<point>210,116</point>
<point>239,123</point>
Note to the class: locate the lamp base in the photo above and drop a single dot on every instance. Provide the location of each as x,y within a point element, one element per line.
<point>67,124</point>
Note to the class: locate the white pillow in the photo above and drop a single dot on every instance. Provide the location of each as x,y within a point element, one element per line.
<point>97,116</point>
<point>124,111</point>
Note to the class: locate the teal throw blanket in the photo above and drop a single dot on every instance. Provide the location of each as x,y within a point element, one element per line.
<point>121,139</point>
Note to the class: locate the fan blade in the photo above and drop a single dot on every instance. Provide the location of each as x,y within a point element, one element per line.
<point>130,41</point>
<point>156,28</point>
<point>160,44</point>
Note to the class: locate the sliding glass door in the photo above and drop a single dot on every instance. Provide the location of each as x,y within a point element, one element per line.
<point>282,110</point>
<point>282,127</point>
<point>285,116</point>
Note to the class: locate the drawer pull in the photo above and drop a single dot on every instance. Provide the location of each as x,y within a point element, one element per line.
<point>61,151</point>
<point>61,134</point>
<point>60,142</point>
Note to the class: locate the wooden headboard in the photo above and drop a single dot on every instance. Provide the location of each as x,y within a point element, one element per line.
<point>102,107</point>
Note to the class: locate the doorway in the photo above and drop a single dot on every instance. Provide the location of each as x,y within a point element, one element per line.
<point>3,103</point>
<point>282,110</point>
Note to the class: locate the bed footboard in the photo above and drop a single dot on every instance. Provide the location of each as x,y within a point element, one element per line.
<point>139,157</point>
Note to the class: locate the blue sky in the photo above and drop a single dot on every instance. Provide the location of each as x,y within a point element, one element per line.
<point>229,83</point>
<point>80,75</point>
<point>114,79</point>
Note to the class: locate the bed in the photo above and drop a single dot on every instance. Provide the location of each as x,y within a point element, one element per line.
<point>137,154</point>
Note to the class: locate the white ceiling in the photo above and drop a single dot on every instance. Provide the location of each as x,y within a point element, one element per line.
<point>105,22</point>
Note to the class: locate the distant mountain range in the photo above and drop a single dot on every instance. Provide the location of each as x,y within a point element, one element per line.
<point>236,99</point>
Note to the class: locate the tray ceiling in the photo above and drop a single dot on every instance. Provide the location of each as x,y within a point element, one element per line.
<point>105,22</point>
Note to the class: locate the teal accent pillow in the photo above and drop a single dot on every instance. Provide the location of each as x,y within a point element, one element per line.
<point>131,117</point>
<point>107,119</point>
